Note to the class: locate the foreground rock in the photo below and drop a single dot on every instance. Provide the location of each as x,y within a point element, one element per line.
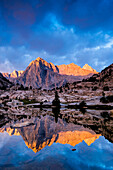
<point>22,124</point>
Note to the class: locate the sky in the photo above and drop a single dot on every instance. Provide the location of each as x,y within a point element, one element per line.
<point>59,31</point>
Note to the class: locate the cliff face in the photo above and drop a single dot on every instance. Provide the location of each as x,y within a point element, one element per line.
<point>45,132</point>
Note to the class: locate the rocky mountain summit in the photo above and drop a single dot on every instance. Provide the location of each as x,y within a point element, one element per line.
<point>14,74</point>
<point>70,69</point>
<point>40,73</point>
<point>87,67</point>
<point>75,70</point>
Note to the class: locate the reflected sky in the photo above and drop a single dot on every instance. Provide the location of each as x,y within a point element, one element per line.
<point>15,154</point>
<point>46,144</point>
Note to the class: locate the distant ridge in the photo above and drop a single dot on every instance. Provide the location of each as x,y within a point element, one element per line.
<point>14,74</point>
<point>70,69</point>
<point>40,73</point>
<point>75,70</point>
<point>87,67</point>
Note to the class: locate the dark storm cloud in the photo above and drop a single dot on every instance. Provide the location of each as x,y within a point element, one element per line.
<point>87,14</point>
<point>82,14</point>
<point>61,31</point>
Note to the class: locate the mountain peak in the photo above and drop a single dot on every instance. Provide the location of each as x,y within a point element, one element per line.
<point>40,59</point>
<point>14,71</point>
<point>14,74</point>
<point>40,73</point>
<point>87,67</point>
<point>73,65</point>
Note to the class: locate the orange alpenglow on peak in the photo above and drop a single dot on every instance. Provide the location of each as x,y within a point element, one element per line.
<point>50,65</point>
<point>40,73</point>
<point>15,74</point>
<point>73,64</point>
<point>87,67</point>
<point>39,59</point>
<point>75,70</point>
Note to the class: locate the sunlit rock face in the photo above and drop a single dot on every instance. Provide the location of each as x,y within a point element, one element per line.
<point>40,73</point>
<point>68,137</point>
<point>6,75</point>
<point>73,69</point>
<point>45,132</point>
<point>87,67</point>
<point>14,74</point>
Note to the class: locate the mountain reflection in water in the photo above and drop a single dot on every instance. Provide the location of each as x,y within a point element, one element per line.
<point>45,132</point>
<point>48,145</point>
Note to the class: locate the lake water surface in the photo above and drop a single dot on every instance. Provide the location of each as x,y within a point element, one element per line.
<point>47,142</point>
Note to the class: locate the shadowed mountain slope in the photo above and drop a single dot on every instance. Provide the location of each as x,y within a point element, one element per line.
<point>104,77</point>
<point>4,83</point>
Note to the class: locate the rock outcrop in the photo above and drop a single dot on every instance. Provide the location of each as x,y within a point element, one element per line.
<point>107,74</point>
<point>105,77</point>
